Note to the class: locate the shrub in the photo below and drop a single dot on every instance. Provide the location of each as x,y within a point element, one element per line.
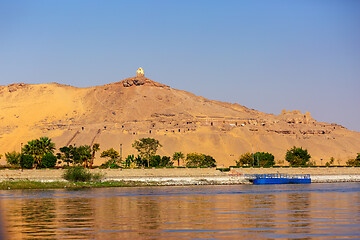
<point>111,163</point>
<point>166,162</point>
<point>10,167</point>
<point>311,164</point>
<point>48,161</point>
<point>331,162</point>
<point>199,160</point>
<point>80,174</point>
<point>26,161</point>
<point>114,161</point>
<point>297,156</point>
<point>194,159</point>
<point>246,159</point>
<point>140,162</point>
<point>128,161</point>
<point>158,161</point>
<point>155,161</point>
<point>354,162</point>
<point>13,158</point>
<point>262,159</point>
<point>223,169</point>
<point>209,162</point>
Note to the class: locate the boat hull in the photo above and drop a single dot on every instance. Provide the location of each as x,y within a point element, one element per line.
<point>262,181</point>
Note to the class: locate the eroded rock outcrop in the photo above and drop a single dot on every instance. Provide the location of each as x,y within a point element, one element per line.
<point>139,81</point>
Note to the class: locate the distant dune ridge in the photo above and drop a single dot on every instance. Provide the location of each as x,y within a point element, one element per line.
<point>118,113</point>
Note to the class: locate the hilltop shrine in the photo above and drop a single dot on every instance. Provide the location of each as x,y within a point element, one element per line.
<point>140,72</point>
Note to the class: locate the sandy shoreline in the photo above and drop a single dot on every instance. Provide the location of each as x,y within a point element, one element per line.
<point>187,176</point>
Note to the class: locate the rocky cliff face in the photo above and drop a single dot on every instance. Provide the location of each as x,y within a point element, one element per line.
<point>139,81</point>
<point>118,113</point>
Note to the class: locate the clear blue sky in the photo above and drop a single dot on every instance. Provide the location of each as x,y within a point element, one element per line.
<point>266,55</point>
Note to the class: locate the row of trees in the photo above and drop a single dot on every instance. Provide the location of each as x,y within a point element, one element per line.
<point>82,155</point>
<point>39,153</point>
<point>147,148</point>
<point>295,156</point>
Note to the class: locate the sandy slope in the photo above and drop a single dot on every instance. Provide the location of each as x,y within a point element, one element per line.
<point>119,113</point>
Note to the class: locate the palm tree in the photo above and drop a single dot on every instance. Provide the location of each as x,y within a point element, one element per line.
<point>81,154</point>
<point>47,145</point>
<point>38,148</point>
<point>65,154</point>
<point>84,154</point>
<point>94,149</point>
<point>177,156</point>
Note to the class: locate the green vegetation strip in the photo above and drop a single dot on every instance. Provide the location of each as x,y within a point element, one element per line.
<point>8,185</point>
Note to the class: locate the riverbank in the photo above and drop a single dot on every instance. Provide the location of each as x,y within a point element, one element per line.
<point>11,185</point>
<point>52,178</point>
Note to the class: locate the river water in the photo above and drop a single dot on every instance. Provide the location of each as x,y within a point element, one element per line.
<point>313,211</point>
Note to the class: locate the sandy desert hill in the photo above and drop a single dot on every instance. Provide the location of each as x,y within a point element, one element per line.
<point>118,113</point>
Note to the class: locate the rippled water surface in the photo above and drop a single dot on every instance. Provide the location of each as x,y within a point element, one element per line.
<point>314,211</point>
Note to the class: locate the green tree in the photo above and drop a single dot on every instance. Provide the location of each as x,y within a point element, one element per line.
<point>146,147</point>
<point>81,155</point>
<point>48,160</point>
<point>26,161</point>
<point>297,156</point>
<point>247,159</point>
<point>354,162</point>
<point>158,161</point>
<point>177,156</point>
<point>264,159</point>
<point>155,161</point>
<point>38,148</point>
<point>111,153</point>
<point>13,158</point>
<point>114,160</point>
<point>209,161</point>
<point>194,159</point>
<point>166,162</point>
<point>128,161</point>
<point>199,160</point>
<point>65,155</point>
<point>95,147</point>
<point>140,162</point>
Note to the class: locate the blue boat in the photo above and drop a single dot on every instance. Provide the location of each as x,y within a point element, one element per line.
<point>277,178</point>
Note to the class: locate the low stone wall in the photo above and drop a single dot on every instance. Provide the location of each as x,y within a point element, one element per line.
<point>188,176</point>
<point>110,174</point>
<point>301,170</point>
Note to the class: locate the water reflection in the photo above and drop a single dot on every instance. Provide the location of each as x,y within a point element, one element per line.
<point>299,215</point>
<point>148,215</point>
<point>38,217</point>
<point>245,212</point>
<point>76,216</point>
<point>261,211</point>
